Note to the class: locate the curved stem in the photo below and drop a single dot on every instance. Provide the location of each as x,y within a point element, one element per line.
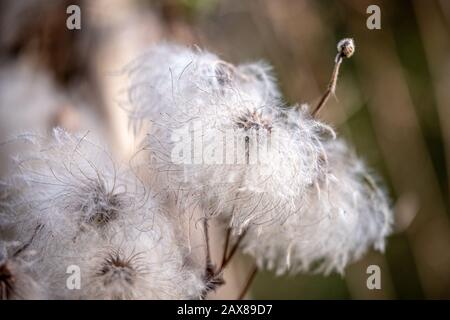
<point>248,283</point>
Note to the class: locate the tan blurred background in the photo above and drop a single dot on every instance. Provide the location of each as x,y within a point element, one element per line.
<point>393,101</point>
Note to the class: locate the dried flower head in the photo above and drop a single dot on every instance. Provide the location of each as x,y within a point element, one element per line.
<point>92,215</point>
<point>346,48</point>
<point>120,273</point>
<point>193,103</point>
<point>299,200</point>
<point>344,215</point>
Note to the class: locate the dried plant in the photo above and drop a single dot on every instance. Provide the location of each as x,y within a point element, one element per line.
<point>192,95</point>
<point>306,204</point>
<point>342,216</point>
<point>92,215</point>
<point>287,191</point>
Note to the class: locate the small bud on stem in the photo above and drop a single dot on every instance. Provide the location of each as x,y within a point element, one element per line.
<point>346,48</point>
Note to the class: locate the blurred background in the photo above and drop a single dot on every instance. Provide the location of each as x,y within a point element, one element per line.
<point>393,101</point>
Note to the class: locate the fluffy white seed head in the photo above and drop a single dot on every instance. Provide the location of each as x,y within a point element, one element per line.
<point>170,79</point>
<point>344,214</point>
<point>218,133</point>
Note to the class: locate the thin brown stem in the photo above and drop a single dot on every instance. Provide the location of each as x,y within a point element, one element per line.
<point>233,251</point>
<point>331,85</point>
<point>208,249</point>
<point>249,282</point>
<point>225,249</point>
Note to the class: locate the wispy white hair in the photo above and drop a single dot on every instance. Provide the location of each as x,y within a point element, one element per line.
<point>345,213</point>
<point>191,95</point>
<point>170,79</point>
<point>89,213</point>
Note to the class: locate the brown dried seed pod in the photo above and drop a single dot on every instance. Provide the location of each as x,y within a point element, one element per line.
<point>253,120</point>
<point>346,47</point>
<point>118,267</point>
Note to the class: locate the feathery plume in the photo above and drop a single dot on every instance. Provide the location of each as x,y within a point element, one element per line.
<point>218,135</point>
<point>97,217</point>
